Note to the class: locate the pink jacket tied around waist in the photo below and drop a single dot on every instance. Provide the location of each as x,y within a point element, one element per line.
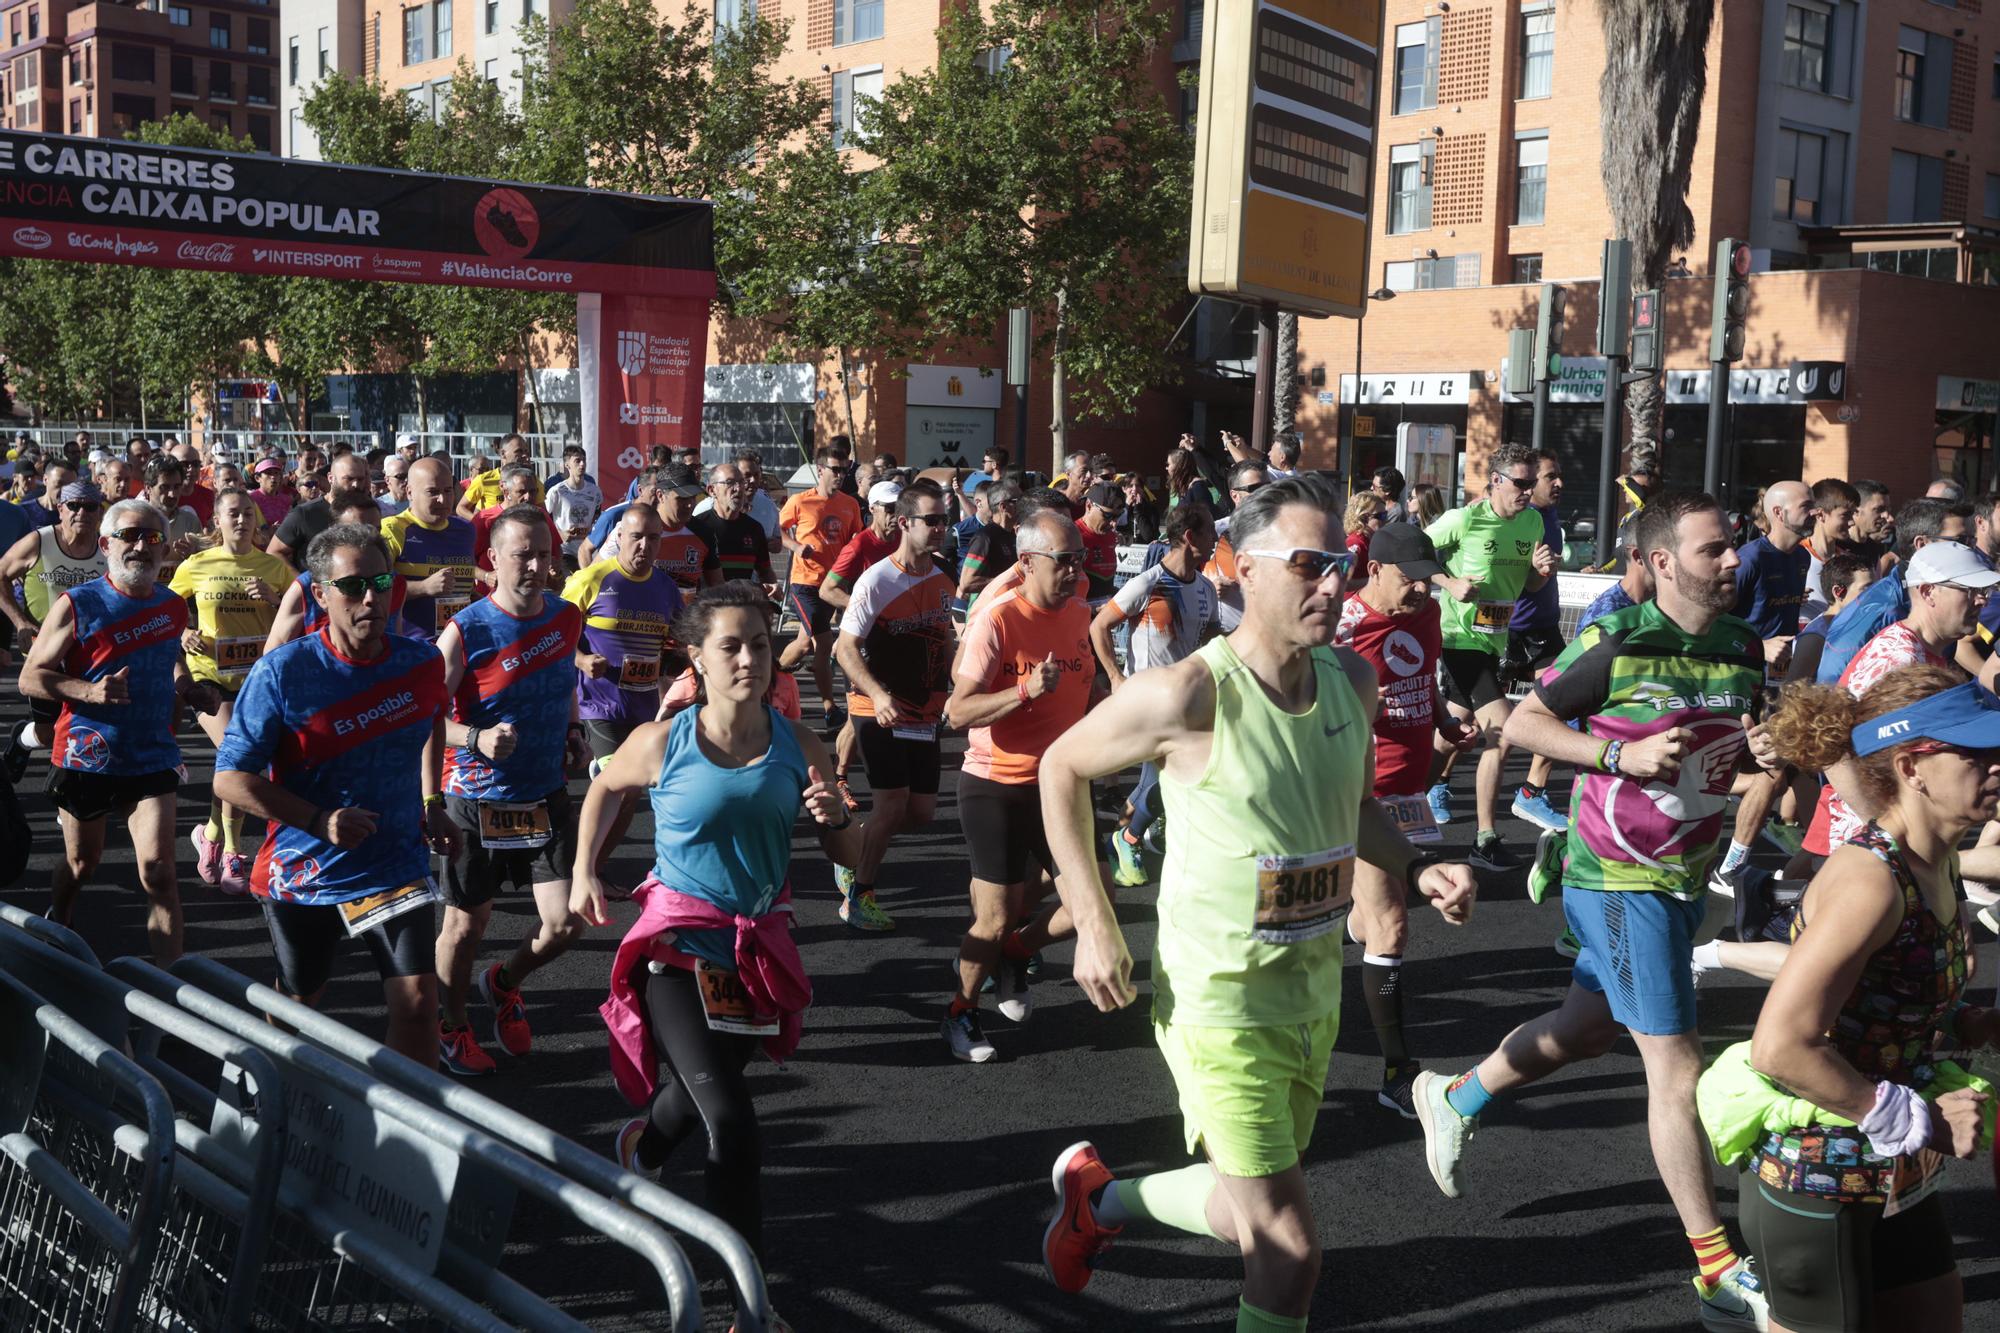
<point>767,963</point>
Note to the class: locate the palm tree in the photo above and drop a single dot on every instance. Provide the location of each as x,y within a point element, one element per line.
<point>1655,72</point>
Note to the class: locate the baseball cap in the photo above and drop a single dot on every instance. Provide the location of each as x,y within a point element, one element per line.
<point>407,438</point>
<point>1967,715</point>
<point>268,465</point>
<point>1408,548</point>
<point>80,492</point>
<point>100,455</point>
<point>1950,562</point>
<point>973,481</point>
<point>680,479</point>
<point>1106,495</point>
<point>884,493</point>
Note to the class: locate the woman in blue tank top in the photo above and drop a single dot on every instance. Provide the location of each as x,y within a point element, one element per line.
<point>710,972</point>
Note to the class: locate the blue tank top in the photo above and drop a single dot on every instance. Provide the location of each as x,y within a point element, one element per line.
<point>520,671</point>
<point>725,834</point>
<point>115,632</point>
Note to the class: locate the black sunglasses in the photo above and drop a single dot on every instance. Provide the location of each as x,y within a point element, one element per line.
<point>932,520</point>
<point>82,506</point>
<point>358,585</point>
<point>1067,559</point>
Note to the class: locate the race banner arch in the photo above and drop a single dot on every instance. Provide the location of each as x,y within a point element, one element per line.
<point>642,268</point>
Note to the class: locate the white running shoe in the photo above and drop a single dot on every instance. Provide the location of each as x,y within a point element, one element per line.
<point>1737,1300</point>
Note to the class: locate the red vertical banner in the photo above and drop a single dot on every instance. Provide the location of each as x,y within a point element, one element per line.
<point>641,360</point>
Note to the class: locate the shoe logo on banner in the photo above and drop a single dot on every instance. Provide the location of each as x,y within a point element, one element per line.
<point>506,223</point>
<point>631,351</point>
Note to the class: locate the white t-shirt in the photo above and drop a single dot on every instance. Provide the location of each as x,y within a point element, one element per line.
<point>1168,617</point>
<point>574,507</point>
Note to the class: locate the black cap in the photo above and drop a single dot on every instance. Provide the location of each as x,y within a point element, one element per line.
<point>1408,548</point>
<point>1106,495</point>
<point>680,479</point>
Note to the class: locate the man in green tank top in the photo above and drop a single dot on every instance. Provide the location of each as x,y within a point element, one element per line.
<point>1265,745</point>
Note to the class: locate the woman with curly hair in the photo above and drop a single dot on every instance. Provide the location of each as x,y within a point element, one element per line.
<point>1843,1211</point>
<point>1366,513</point>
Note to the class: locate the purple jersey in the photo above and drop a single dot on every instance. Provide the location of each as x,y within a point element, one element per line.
<point>626,622</point>
<point>142,637</point>
<point>519,671</point>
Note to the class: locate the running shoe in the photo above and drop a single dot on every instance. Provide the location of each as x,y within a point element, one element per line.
<point>1980,893</point>
<point>1440,799</point>
<point>1154,839</point>
<point>1398,1089</point>
<point>836,718</point>
<point>1128,870</point>
<point>1787,838</point>
<point>1989,919</point>
<point>844,879</point>
<point>1736,1301</point>
<point>965,1037</point>
<point>847,796</point>
<point>1075,1239</point>
<point>1726,882</point>
<point>510,1015</point>
<point>207,855</point>
<point>1698,971</point>
<point>625,1147</point>
<point>1035,965</point>
<point>1489,853</point>
<point>1011,986</point>
<point>1545,871</point>
<point>1446,1132</point>
<point>1538,810</point>
<point>235,879</point>
<point>460,1052</point>
<point>15,761</point>
<point>1567,944</point>
<point>860,912</point>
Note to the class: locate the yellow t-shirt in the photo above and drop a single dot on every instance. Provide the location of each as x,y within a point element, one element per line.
<point>484,490</point>
<point>232,625</point>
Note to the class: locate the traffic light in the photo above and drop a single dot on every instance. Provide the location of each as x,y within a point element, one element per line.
<point>1549,332</point>
<point>1520,361</point>
<point>1616,281</point>
<point>1646,332</point>
<point>1732,300</point>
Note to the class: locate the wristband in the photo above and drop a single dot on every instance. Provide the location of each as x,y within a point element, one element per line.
<point>1900,1121</point>
<point>1021,688</point>
<point>435,798</point>
<point>472,739</point>
<point>1613,752</point>
<point>1419,863</point>
<point>835,828</point>
<point>1602,750</point>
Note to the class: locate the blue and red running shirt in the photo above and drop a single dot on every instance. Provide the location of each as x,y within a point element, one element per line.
<point>520,671</point>
<point>141,636</point>
<point>339,733</point>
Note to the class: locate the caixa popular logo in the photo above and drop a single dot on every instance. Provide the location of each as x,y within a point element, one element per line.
<point>210,252</point>
<point>32,238</point>
<point>647,414</point>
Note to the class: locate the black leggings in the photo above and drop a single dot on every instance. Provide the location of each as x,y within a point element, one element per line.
<point>705,1086</point>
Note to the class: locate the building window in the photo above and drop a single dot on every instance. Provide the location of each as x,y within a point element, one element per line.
<point>218,31</point>
<point>441,99</point>
<point>1425,275</point>
<point>1811,166</point>
<point>1538,50</point>
<point>1992,195</point>
<point>27,74</point>
<point>1916,188</point>
<point>1410,187</point>
<point>180,16</point>
<point>134,64</point>
<point>292,62</point>
<point>527,10</point>
<point>492,17</point>
<point>294,122</point>
<point>441,29</point>
<point>14,30</point>
<point>260,133</point>
<point>325,55</point>
<point>221,81</point>
<point>1804,64</point>
<point>856,21</point>
<point>420,98</point>
<point>257,36</point>
<point>76,64</point>
<point>493,72</point>
<point>1527,268</point>
<point>76,127</point>
<point>1531,177</point>
<point>182,75</point>
<point>1417,65</point>
<point>34,22</point>
<point>257,86</point>
<point>1923,76</point>
<point>734,13</point>
<point>850,88</point>
<point>130,110</point>
<point>414,23</point>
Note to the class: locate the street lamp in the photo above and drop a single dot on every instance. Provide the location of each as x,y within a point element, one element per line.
<point>1354,416</point>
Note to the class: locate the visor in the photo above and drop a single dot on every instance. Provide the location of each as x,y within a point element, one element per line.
<point>1966,715</point>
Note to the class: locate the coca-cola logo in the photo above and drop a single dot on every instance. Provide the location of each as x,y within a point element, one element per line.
<point>32,238</point>
<point>214,252</point>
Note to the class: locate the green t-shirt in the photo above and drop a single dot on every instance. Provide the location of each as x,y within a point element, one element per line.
<point>1498,554</point>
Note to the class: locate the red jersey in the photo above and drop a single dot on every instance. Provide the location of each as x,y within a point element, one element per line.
<point>1404,651</point>
<point>864,550</point>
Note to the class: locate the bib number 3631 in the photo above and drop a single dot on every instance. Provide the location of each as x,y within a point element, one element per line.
<point>1300,898</point>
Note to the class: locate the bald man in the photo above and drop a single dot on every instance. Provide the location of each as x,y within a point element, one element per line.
<point>347,478</point>
<point>1771,580</point>
<point>432,548</point>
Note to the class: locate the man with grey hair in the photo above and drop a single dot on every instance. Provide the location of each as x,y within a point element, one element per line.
<point>1284,460</point>
<point>395,496</point>
<point>47,563</point>
<point>1948,489</point>
<point>109,655</point>
<point>338,741</point>
<point>517,487</point>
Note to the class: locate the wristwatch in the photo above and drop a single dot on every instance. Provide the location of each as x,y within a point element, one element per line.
<point>1419,863</point>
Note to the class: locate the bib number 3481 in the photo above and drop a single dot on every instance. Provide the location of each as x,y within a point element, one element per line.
<point>1302,897</point>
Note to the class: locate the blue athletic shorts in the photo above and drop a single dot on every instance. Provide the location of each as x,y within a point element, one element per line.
<point>1635,954</point>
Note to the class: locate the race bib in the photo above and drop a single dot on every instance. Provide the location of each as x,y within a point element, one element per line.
<point>639,673</point>
<point>1492,617</point>
<point>504,824</point>
<point>1413,817</point>
<point>1915,1179</point>
<point>926,732</point>
<point>1300,898</point>
<point>726,1005</point>
<point>235,657</point>
<point>364,914</point>
<point>447,607</point>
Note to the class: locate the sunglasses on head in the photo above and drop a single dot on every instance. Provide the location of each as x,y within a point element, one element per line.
<point>1307,560</point>
<point>359,585</point>
<point>139,536</point>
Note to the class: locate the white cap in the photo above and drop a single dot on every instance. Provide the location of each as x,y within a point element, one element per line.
<point>100,455</point>
<point>884,493</point>
<point>406,438</point>
<point>1950,562</point>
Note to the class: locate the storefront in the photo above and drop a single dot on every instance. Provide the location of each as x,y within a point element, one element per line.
<point>765,406</point>
<point>1965,431</point>
<point>1424,398</point>
<point>949,414</point>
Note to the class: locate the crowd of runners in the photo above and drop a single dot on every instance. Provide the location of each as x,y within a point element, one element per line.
<point>402,672</point>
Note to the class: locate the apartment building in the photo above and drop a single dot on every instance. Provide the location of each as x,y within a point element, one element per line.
<point>317,38</point>
<point>101,69</point>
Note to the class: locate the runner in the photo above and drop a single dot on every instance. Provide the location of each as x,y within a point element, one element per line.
<point>1919,524</point>
<point>432,548</point>
<point>394,496</point>
<point>509,669</point>
<point>515,487</point>
<point>895,647</point>
<point>233,592</point>
<point>574,501</point>
<point>165,480</point>
<point>1871,991</point>
<point>1023,677</point>
<point>628,608</point>
<point>815,524</point>
<point>347,477</point>
<point>1171,608</point>
<point>109,655</point>
<point>1103,503</point>
<point>992,549</point>
<point>338,741</point>
<point>1535,639</point>
<point>47,563</point>
<point>1493,550</point>
<point>300,613</point>
<point>488,488</point>
<point>1664,691</point>
<point>1833,506</point>
<point>864,550</point>
<point>1393,624</point>
<point>730,530</point>
<point>1247,967</point>
<point>710,973</point>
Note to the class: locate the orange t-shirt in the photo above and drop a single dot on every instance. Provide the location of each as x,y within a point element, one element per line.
<point>823,522</point>
<point>1003,645</point>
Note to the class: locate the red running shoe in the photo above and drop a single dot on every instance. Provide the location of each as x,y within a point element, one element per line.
<point>510,1016</point>
<point>847,796</point>
<point>1075,1241</point>
<point>460,1053</point>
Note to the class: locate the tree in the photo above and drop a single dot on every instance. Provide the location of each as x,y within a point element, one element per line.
<point>1285,385</point>
<point>1037,164</point>
<point>1655,73</point>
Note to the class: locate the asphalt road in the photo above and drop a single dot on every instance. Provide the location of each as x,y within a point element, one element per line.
<point>907,1191</point>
